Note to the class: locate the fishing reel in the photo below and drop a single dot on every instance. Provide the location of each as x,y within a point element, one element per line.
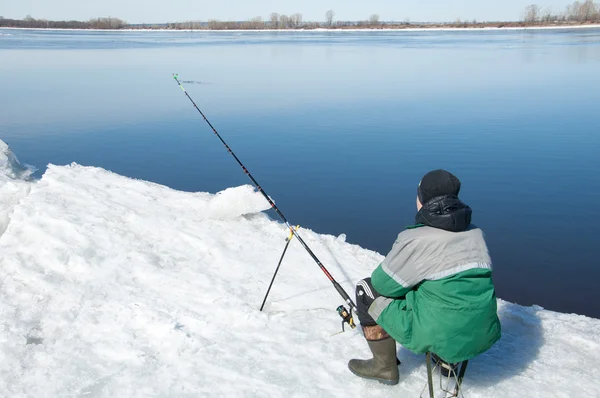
<point>346,317</point>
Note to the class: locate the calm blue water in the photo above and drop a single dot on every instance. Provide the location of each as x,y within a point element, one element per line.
<point>338,128</point>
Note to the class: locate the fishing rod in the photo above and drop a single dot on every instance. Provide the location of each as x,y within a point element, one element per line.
<point>345,314</point>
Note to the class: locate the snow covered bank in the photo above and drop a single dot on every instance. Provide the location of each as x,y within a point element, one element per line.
<point>117,287</point>
<point>440,29</point>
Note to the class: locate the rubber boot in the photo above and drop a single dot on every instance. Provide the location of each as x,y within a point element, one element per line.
<point>383,367</point>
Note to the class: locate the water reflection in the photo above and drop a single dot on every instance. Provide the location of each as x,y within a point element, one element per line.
<point>339,127</point>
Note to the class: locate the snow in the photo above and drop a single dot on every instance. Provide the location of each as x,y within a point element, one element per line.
<point>111,286</point>
<point>354,30</point>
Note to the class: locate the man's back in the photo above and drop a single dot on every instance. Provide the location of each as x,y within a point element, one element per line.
<point>450,302</point>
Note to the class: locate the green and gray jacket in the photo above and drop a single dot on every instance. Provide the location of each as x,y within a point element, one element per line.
<point>436,285</point>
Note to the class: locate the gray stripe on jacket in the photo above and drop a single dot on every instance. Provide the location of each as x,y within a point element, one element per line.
<point>377,306</point>
<point>428,253</point>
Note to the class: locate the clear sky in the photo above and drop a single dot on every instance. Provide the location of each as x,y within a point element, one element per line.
<point>139,11</point>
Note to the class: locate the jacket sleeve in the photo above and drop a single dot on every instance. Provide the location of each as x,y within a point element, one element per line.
<point>398,272</point>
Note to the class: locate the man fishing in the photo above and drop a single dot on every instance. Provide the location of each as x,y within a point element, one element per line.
<point>433,292</point>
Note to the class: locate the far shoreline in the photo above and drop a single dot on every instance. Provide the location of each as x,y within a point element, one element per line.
<point>378,29</point>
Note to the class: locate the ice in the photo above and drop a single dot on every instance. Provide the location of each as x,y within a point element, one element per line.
<point>13,184</point>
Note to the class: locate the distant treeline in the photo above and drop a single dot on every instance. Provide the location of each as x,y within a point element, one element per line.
<point>577,12</point>
<point>534,15</point>
<point>96,23</point>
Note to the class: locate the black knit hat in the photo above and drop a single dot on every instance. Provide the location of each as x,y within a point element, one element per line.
<point>437,183</point>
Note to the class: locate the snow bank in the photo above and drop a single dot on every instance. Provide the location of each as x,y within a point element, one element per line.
<point>117,287</point>
<point>320,30</point>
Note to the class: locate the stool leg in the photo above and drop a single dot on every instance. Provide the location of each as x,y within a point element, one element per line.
<point>461,375</point>
<point>429,375</point>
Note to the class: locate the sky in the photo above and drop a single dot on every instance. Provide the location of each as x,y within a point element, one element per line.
<point>123,288</point>
<point>154,11</point>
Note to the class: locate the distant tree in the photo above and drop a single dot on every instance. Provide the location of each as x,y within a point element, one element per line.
<point>329,17</point>
<point>532,13</point>
<point>547,16</point>
<point>296,20</point>
<point>572,11</point>
<point>587,11</point>
<point>583,12</point>
<point>284,21</point>
<point>257,23</point>
<point>374,19</point>
<point>29,18</point>
<point>274,17</point>
<point>596,16</point>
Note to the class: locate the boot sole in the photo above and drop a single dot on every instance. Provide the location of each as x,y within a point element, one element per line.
<point>387,382</point>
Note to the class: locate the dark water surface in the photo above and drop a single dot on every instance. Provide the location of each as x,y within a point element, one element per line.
<point>339,128</point>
